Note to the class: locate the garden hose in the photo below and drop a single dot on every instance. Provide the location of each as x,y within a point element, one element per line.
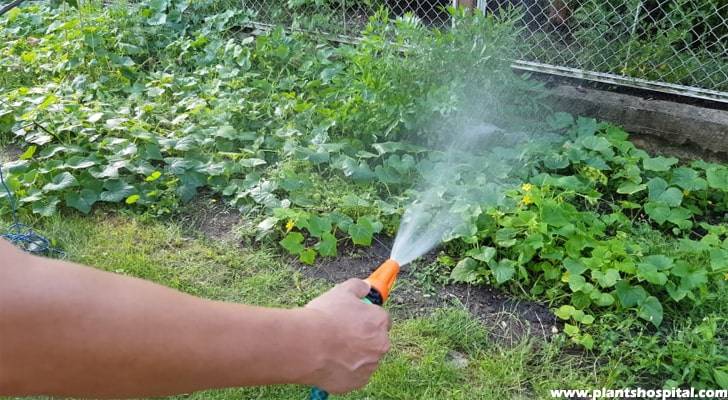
<point>381,282</point>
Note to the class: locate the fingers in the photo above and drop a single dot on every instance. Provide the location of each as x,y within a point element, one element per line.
<point>357,287</point>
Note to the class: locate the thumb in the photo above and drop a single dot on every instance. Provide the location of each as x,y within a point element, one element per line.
<point>357,287</point>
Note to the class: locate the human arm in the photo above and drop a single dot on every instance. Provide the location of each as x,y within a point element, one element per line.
<point>69,330</point>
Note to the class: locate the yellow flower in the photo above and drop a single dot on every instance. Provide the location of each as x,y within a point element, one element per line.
<point>527,199</point>
<point>526,187</point>
<point>289,225</point>
<point>725,276</point>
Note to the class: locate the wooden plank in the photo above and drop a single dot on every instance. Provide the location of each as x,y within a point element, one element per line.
<point>675,123</point>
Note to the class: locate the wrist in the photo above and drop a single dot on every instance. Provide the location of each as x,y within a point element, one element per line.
<point>313,338</point>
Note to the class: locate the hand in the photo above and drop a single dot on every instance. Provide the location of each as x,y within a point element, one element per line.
<point>355,337</point>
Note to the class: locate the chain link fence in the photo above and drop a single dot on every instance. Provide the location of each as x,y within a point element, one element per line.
<point>674,46</point>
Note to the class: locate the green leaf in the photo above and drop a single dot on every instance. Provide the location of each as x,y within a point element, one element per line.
<point>659,164</point>
<point>596,143</point>
<point>560,120</point>
<point>631,188</point>
<point>650,273</point>
<point>717,177</point>
<point>587,319</point>
<point>586,126</point>
<point>721,377</point>
<point>7,120</point>
<point>29,153</point>
<point>503,270</point>
<point>308,256</point>
<point>293,242</point>
<point>555,214</point>
<point>78,162</point>
<point>61,181</point>
<point>680,216</point>
<point>46,207</point>
<point>574,267</point>
<point>363,231</point>
<point>465,271</point>
<point>359,172</point>
<point>587,341</point>
<point>565,312</point>
<point>82,201</point>
<point>252,162</point>
<point>651,310</point>
<point>602,299</point>
<point>153,177</point>
<point>327,246</point>
<point>505,237</point>
<point>132,199</point>
<point>571,330</point>
<point>484,253</point>
<point>317,225</point>
<point>658,212</point>
<point>576,282</point>
<point>628,295</point>
<point>659,261</point>
<point>672,197</point>
<point>656,187</point>
<point>116,191</point>
<point>556,161</point>
<point>607,278</point>
<point>719,259</point>
<point>688,179</point>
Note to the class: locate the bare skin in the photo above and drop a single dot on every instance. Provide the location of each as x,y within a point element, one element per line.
<point>69,330</point>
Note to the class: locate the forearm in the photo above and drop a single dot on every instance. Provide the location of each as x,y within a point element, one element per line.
<point>71,330</point>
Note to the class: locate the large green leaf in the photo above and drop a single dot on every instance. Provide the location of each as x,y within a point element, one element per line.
<point>718,177</point>
<point>466,271</point>
<point>46,207</point>
<point>672,197</point>
<point>650,273</point>
<point>116,191</point>
<point>503,270</point>
<point>317,225</point>
<point>293,242</point>
<point>631,188</point>
<point>659,164</point>
<point>629,295</point>
<point>658,212</point>
<point>82,201</point>
<point>688,179</point>
<point>363,231</point>
<point>651,310</point>
<point>327,246</point>
<point>61,181</point>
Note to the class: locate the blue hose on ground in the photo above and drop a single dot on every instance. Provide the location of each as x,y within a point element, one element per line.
<point>22,235</point>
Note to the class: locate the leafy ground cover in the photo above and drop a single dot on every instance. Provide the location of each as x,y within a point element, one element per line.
<point>146,105</point>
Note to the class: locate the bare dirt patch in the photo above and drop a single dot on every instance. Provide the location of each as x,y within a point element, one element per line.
<point>508,319</point>
<point>10,153</point>
<point>211,217</point>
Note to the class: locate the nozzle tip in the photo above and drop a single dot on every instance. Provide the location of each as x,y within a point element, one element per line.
<point>383,278</point>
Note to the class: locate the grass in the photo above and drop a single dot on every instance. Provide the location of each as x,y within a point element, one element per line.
<point>419,366</point>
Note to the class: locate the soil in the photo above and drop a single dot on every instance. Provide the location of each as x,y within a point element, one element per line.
<point>507,319</point>
<point>211,217</point>
<point>10,153</point>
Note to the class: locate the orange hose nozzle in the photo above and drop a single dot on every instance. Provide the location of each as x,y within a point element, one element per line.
<point>384,277</point>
